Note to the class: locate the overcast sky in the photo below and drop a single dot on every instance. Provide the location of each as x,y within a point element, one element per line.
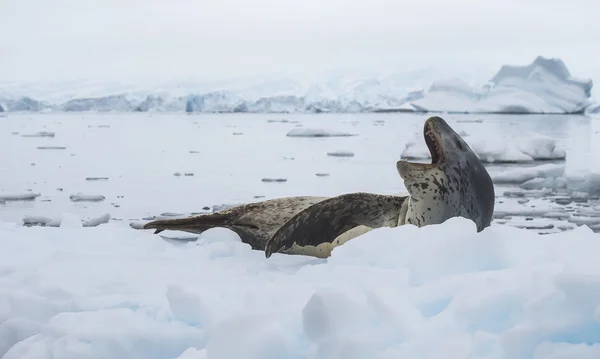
<point>112,39</point>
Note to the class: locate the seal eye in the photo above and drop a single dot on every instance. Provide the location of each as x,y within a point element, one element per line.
<point>459,145</point>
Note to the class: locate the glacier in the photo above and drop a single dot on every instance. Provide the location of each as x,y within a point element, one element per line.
<point>544,86</point>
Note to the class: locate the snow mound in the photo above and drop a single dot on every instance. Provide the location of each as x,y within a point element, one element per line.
<point>114,292</point>
<point>86,197</point>
<point>544,86</point>
<point>499,149</point>
<point>317,132</point>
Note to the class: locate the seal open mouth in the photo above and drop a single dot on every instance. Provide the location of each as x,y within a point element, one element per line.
<point>433,144</point>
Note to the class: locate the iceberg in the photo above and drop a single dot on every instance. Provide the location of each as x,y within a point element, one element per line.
<point>530,147</point>
<point>544,86</point>
<point>23,104</point>
<point>120,102</point>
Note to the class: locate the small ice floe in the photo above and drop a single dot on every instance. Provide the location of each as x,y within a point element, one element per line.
<point>103,126</point>
<point>274,180</point>
<point>96,221</point>
<point>278,121</point>
<point>66,220</point>
<point>477,120</point>
<point>317,132</point>
<point>43,221</point>
<point>238,133</point>
<point>39,134</point>
<point>581,220</point>
<point>177,174</point>
<point>82,197</point>
<point>194,152</point>
<point>557,215</point>
<point>96,178</point>
<point>529,212</point>
<point>340,154</point>
<point>172,214</point>
<point>27,196</point>
<point>51,148</point>
<point>321,174</point>
<point>188,174</point>
<point>562,200</point>
<point>524,174</point>
<point>532,225</point>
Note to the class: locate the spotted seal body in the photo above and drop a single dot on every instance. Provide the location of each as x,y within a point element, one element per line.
<point>455,183</point>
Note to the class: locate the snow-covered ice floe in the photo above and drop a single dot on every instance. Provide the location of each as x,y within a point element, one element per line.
<point>45,221</point>
<point>544,86</point>
<point>317,132</point>
<point>26,196</point>
<point>499,149</point>
<point>78,197</point>
<point>114,292</point>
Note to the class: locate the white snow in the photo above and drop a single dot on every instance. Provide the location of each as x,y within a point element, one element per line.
<point>316,132</point>
<point>544,86</point>
<point>86,197</point>
<point>111,291</point>
<point>501,148</point>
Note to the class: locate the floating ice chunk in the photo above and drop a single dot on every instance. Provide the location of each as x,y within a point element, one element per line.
<point>51,148</point>
<point>340,153</point>
<point>316,132</point>
<point>96,221</point>
<point>86,197</point>
<point>266,179</point>
<point>39,134</point>
<point>540,147</point>
<point>522,174</point>
<point>27,196</point>
<point>36,220</point>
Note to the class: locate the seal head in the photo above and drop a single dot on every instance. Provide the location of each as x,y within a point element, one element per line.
<point>454,184</point>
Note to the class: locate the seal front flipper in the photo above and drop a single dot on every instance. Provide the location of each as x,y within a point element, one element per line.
<point>323,222</point>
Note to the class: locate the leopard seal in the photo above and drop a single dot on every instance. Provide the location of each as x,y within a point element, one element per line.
<point>454,184</point>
